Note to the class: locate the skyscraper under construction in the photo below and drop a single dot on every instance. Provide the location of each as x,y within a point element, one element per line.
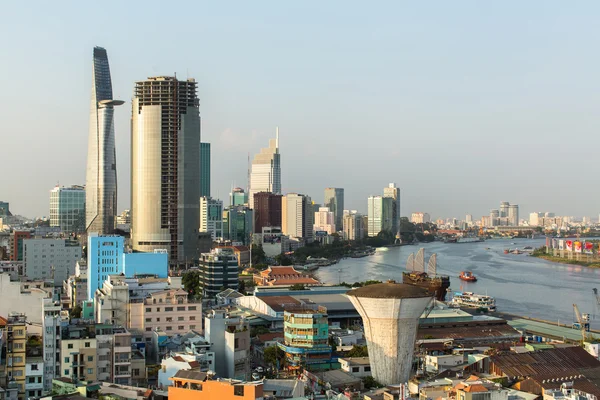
<point>165,167</point>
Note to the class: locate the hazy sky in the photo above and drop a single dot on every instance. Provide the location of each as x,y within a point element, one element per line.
<point>462,103</point>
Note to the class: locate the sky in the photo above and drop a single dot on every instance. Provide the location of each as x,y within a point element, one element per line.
<point>461,104</point>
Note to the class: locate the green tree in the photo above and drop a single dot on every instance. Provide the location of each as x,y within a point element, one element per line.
<point>371,383</point>
<point>258,330</point>
<point>258,255</point>
<point>358,351</point>
<point>191,283</point>
<point>75,312</point>
<point>272,354</point>
<point>242,286</point>
<point>297,286</point>
<point>283,259</point>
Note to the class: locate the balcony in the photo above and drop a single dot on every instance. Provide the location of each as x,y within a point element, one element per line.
<point>122,361</point>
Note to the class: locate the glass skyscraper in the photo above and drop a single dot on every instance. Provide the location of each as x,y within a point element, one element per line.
<point>204,169</point>
<point>334,199</point>
<point>101,175</point>
<point>67,208</point>
<point>165,167</point>
<point>266,171</point>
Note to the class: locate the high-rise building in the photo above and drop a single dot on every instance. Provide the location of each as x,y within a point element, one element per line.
<point>334,199</point>
<point>469,219</point>
<point>218,271</point>
<point>237,224</point>
<point>420,218</point>
<point>297,216</point>
<point>50,259</point>
<point>4,209</point>
<point>105,257</point>
<point>513,215</point>
<point>494,217</point>
<point>16,244</point>
<point>394,192</point>
<point>266,170</point>
<point>324,221</point>
<point>503,209</point>
<point>101,175</point>
<point>353,226</point>
<point>238,197</point>
<point>380,213</point>
<point>67,208</point>
<point>211,217</point>
<point>267,210</point>
<point>205,169</point>
<point>165,167</point>
<point>534,218</point>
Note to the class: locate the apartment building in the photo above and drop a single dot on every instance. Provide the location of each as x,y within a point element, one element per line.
<point>50,259</point>
<point>78,350</point>
<point>14,332</point>
<point>230,339</point>
<point>198,386</point>
<point>34,372</point>
<point>54,319</point>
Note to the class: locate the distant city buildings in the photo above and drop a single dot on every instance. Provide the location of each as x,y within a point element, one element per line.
<point>297,216</point>
<point>238,197</point>
<point>237,224</point>
<point>101,176</point>
<point>53,259</point>
<point>507,215</point>
<point>380,212</point>
<point>324,221</point>
<point>265,175</point>
<point>67,208</point>
<point>393,192</point>
<point>4,209</point>
<point>267,210</point>
<point>211,217</point>
<point>334,200</point>
<point>205,169</point>
<point>165,172</point>
<point>353,225</point>
<point>420,218</point>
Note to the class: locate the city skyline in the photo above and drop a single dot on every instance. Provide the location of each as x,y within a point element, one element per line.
<point>453,111</point>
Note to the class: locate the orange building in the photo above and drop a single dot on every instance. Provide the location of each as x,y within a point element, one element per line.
<point>282,276</point>
<point>195,385</point>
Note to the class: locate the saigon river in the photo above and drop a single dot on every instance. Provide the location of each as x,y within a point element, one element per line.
<point>522,285</point>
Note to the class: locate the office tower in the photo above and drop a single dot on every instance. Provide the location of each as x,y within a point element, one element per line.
<point>211,217</point>
<point>267,211</point>
<point>165,167</point>
<point>535,218</point>
<point>394,192</point>
<point>380,213</point>
<point>204,169</point>
<point>297,216</point>
<point>237,224</point>
<point>50,259</point>
<point>16,244</point>
<point>503,209</point>
<point>513,215</point>
<point>390,313</point>
<point>266,170</point>
<point>324,221</point>
<point>494,217</point>
<point>101,175</point>
<point>334,199</point>
<point>67,208</point>
<point>4,209</point>
<point>218,271</point>
<point>238,197</point>
<point>105,257</point>
<point>420,218</point>
<point>353,226</point>
<point>469,219</point>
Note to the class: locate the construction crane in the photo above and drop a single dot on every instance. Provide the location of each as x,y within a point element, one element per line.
<point>596,295</point>
<point>583,322</point>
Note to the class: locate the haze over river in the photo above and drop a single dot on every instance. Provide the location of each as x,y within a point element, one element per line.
<point>521,284</point>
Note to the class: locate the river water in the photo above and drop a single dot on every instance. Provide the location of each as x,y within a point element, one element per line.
<point>521,284</point>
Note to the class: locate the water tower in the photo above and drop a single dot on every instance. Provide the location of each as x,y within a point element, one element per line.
<point>390,313</point>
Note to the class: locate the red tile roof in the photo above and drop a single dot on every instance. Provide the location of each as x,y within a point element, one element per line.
<point>267,337</point>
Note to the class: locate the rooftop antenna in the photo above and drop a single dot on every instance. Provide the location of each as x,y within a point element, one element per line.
<point>248,183</point>
<point>277,138</point>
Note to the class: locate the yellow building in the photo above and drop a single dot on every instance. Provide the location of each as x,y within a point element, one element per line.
<point>15,340</point>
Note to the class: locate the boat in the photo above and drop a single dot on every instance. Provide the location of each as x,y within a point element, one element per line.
<point>436,285</point>
<point>506,251</point>
<point>467,276</point>
<point>469,240</point>
<point>472,300</point>
<point>451,240</point>
<point>527,248</point>
<point>359,254</point>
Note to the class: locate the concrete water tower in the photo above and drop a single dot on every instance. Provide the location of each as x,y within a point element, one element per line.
<point>390,313</point>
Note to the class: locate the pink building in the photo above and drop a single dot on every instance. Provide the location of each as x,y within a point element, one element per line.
<point>168,311</point>
<point>324,221</point>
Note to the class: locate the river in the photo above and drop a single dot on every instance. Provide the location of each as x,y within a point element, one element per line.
<point>521,284</point>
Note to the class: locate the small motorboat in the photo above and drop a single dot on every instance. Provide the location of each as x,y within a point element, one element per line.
<point>467,276</point>
<point>506,251</point>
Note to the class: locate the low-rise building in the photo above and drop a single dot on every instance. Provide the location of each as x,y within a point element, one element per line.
<point>34,372</point>
<point>283,276</point>
<point>306,336</point>
<point>230,340</point>
<point>199,386</point>
<point>357,366</point>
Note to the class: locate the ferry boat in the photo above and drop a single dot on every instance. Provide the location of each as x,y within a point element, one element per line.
<point>472,300</point>
<point>467,276</point>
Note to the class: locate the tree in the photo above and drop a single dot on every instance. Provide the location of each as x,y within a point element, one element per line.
<point>191,283</point>
<point>283,259</point>
<point>297,286</point>
<point>258,330</point>
<point>272,354</point>
<point>258,255</point>
<point>358,351</point>
<point>371,383</point>
<point>75,312</point>
<point>242,286</point>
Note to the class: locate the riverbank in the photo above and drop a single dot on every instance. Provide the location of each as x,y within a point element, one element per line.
<point>563,260</point>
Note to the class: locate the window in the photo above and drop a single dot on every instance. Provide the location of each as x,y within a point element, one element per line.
<point>157,309</point>
<point>192,326</point>
<point>180,308</point>
<point>34,367</point>
<point>169,319</point>
<point>90,358</point>
<point>192,318</point>
<point>66,372</point>
<point>18,372</point>
<point>180,327</point>
<point>355,369</point>
<point>148,319</point>
<point>148,309</point>
<point>87,344</point>
<point>70,345</point>
<point>367,369</point>
<point>67,360</point>
<point>148,329</point>
<point>31,380</point>
<point>238,390</point>
<point>180,318</point>
<point>192,308</point>
<point>169,328</point>
<point>167,309</point>
<point>90,371</point>
<point>157,319</point>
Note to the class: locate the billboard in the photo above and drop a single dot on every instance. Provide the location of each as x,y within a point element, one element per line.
<point>577,246</point>
<point>561,244</point>
<point>588,247</point>
<point>569,244</point>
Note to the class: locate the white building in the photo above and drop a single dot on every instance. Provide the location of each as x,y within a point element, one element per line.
<point>230,339</point>
<point>34,372</point>
<point>420,218</point>
<point>353,225</point>
<point>211,217</point>
<point>176,362</point>
<point>50,259</point>
<point>324,221</point>
<point>380,211</point>
<point>20,300</point>
<point>52,324</point>
<point>266,171</point>
<point>357,366</point>
<point>297,216</point>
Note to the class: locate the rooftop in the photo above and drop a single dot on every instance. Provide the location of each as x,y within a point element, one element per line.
<point>389,290</point>
<point>356,360</point>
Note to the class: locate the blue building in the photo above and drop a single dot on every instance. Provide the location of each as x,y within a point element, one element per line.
<point>156,264</point>
<point>105,257</point>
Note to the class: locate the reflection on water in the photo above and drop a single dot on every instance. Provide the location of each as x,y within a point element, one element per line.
<point>521,284</point>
